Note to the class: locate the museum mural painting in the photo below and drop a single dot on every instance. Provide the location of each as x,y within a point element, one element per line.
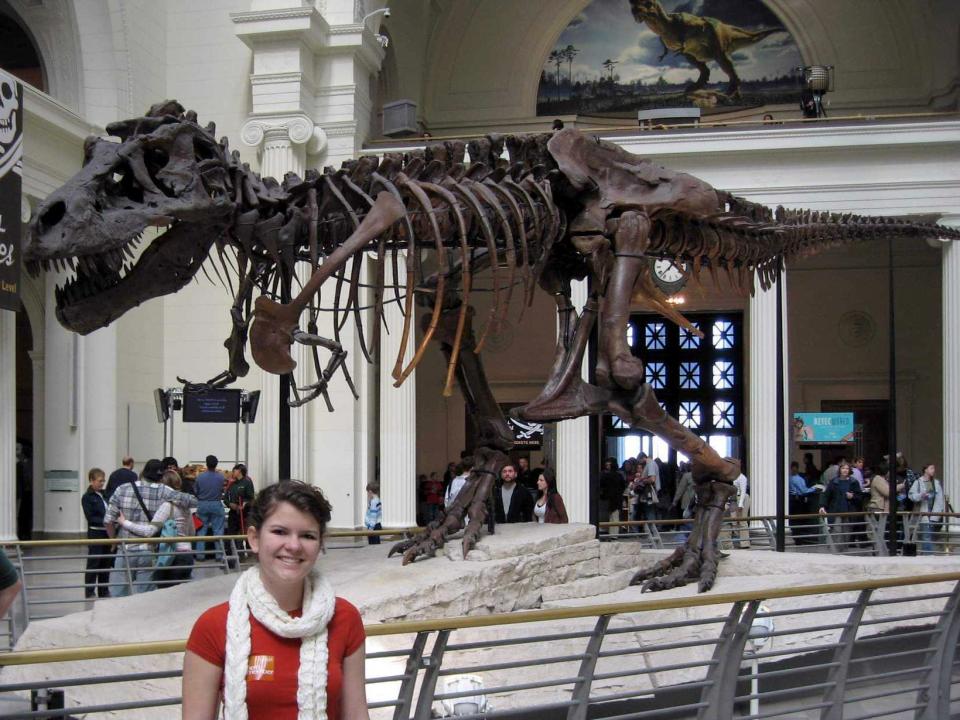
<point>11,169</point>
<point>621,56</point>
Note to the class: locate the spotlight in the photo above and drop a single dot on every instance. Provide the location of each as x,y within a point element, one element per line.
<point>817,81</point>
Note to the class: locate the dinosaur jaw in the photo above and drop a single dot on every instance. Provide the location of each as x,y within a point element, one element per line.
<point>102,287</point>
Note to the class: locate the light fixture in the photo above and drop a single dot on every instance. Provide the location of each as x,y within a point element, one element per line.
<point>385,11</point>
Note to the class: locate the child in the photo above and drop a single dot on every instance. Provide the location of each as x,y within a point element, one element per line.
<point>374,512</point>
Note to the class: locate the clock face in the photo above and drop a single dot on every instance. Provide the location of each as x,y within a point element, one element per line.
<point>669,276</point>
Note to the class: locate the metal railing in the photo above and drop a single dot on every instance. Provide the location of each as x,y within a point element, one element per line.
<point>841,651</point>
<point>56,581</point>
<point>860,533</point>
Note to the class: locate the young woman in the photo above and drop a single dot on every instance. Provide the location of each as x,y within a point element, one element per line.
<point>927,496</point>
<point>180,567</point>
<point>549,506</point>
<point>96,580</point>
<point>284,647</point>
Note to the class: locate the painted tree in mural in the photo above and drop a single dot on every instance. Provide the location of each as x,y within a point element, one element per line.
<point>563,207</point>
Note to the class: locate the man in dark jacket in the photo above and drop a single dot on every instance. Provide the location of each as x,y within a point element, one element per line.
<point>118,477</point>
<point>842,495</point>
<point>611,485</point>
<point>509,495</point>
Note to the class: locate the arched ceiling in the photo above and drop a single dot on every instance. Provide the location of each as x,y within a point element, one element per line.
<point>471,63</point>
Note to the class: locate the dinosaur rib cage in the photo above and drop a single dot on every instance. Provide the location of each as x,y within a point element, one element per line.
<point>460,219</point>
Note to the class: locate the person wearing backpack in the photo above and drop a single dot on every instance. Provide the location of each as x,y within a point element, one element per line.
<point>138,503</point>
<point>174,563</point>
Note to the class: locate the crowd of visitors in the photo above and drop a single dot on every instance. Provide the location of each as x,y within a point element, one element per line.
<point>521,494</point>
<point>644,488</point>
<point>166,500</point>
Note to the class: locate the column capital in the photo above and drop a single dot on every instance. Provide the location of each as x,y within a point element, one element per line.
<point>298,129</point>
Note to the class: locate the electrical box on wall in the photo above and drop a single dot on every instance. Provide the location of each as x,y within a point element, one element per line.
<point>399,117</point>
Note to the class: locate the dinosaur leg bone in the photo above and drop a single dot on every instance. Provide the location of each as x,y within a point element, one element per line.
<point>618,366</point>
<point>494,440</point>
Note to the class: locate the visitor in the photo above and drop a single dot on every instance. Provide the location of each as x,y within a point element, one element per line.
<point>373,518</point>
<point>810,471</point>
<point>284,646</point>
<point>879,502</point>
<point>123,474</point>
<point>512,503</point>
<point>684,500</point>
<point>526,477</point>
<point>238,497</point>
<point>209,486</point>
<point>9,583</point>
<point>631,469</point>
<point>927,496</point>
<point>646,487</point>
<point>610,487</point>
<point>462,472</point>
<point>433,497</point>
<point>96,579</point>
<point>803,529</point>
<point>842,495</point>
<point>740,511</point>
<point>549,506</point>
<point>174,565</point>
<point>138,502</point>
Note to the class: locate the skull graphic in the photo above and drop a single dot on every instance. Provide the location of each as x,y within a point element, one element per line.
<point>9,104</point>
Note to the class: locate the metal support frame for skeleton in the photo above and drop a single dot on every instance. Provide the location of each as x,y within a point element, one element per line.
<point>564,206</point>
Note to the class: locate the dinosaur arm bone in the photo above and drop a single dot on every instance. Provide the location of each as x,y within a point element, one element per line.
<point>270,334</point>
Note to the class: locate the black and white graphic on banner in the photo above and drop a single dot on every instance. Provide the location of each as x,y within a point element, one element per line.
<point>11,169</point>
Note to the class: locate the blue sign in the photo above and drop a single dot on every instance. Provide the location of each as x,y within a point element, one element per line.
<point>823,427</point>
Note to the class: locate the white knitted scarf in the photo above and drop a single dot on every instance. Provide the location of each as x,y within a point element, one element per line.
<point>250,596</point>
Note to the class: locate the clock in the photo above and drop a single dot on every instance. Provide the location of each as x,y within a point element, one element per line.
<point>668,275</point>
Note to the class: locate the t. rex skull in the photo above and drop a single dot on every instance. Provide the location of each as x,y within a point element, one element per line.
<point>167,171</point>
<point>9,104</point>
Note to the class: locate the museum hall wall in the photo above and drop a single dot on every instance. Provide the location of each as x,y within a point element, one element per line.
<point>482,60</point>
<point>473,65</point>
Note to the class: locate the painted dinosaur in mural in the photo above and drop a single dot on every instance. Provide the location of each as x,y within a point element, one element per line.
<point>699,40</point>
<point>563,207</point>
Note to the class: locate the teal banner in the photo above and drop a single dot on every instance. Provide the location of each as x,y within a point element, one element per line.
<point>823,427</point>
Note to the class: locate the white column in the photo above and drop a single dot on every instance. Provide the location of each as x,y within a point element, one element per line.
<point>282,145</point>
<point>573,445</point>
<point>762,398</point>
<point>8,425</point>
<point>950,304</point>
<point>398,423</point>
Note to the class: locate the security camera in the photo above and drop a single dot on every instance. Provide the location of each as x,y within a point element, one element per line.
<point>386,12</point>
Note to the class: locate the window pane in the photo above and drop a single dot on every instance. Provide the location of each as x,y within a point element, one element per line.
<point>655,335</point>
<point>690,414</point>
<point>689,341</point>
<point>723,374</point>
<point>723,338</point>
<point>631,334</point>
<point>656,375</point>
<point>723,417</point>
<point>689,375</point>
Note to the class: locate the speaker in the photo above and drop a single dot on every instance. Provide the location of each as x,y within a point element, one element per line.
<point>248,407</point>
<point>161,398</point>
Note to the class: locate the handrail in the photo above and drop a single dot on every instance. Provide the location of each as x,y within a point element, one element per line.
<point>95,652</point>
<point>186,538</point>
<point>798,516</point>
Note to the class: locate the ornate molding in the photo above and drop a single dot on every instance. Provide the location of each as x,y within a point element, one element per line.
<point>261,15</point>
<point>299,129</point>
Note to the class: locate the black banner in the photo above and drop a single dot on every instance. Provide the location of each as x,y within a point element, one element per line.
<point>11,169</point>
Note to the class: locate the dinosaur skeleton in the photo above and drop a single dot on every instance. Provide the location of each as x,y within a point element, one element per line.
<point>564,206</point>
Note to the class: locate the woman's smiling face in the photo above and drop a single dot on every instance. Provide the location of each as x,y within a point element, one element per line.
<point>287,545</point>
